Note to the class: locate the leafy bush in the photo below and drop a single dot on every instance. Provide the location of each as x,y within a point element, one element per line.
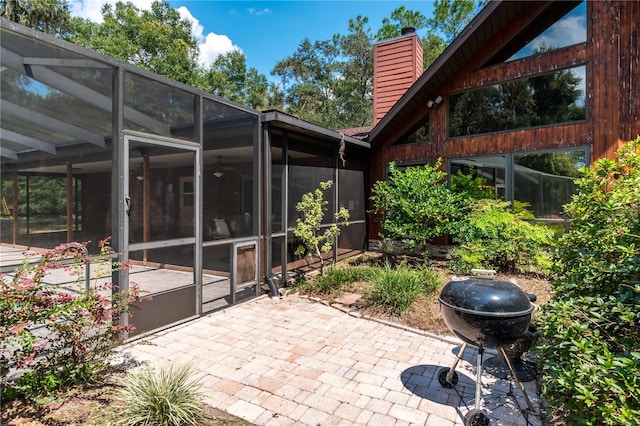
<point>591,328</point>
<point>52,338</point>
<point>396,289</point>
<point>471,186</point>
<point>415,204</point>
<point>493,237</point>
<point>167,397</point>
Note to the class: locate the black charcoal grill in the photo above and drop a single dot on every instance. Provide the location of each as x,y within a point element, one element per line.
<point>486,313</point>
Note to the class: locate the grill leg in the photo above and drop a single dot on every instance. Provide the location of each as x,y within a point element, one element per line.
<point>479,377</point>
<point>452,370</point>
<point>515,377</point>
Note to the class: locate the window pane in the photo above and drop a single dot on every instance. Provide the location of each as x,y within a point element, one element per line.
<point>229,185</point>
<point>490,169</point>
<point>546,181</point>
<point>562,24</point>
<point>157,108</point>
<point>552,98</point>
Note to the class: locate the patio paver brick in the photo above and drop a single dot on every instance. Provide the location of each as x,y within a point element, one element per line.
<point>312,364</point>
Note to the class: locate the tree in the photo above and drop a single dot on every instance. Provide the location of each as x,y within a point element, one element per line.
<point>416,205</point>
<point>451,16</point>
<point>49,16</point>
<point>403,18</point>
<point>307,78</point>
<point>229,78</point>
<point>158,40</point>
<point>354,89</point>
<point>312,208</point>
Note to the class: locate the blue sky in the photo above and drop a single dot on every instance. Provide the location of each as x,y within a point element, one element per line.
<point>266,31</point>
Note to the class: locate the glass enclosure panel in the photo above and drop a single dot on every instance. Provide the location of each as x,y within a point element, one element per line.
<point>42,208</point>
<point>546,181</point>
<point>352,238</point>
<point>160,193</point>
<point>230,189</point>
<point>168,278</point>
<point>216,284</point>
<point>277,244</point>
<point>351,193</point>
<point>158,108</point>
<point>277,183</point>
<point>309,165</point>
<point>546,99</point>
<point>490,169</point>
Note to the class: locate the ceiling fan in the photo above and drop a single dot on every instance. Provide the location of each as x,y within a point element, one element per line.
<point>219,167</point>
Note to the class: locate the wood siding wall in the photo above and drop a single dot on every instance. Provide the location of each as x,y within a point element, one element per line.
<point>612,60</point>
<point>397,64</point>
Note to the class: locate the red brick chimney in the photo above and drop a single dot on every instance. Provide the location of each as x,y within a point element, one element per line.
<point>397,64</point>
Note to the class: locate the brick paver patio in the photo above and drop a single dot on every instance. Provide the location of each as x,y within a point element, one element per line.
<point>294,361</point>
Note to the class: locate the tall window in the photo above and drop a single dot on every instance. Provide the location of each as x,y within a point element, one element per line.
<point>546,99</point>
<point>541,182</point>
<point>564,23</point>
<point>546,181</point>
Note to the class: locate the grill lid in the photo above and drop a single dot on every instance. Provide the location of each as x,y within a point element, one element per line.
<point>486,296</point>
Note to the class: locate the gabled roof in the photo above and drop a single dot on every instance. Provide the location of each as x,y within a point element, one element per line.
<point>494,18</point>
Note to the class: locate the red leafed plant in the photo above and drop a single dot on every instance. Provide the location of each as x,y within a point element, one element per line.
<point>55,336</point>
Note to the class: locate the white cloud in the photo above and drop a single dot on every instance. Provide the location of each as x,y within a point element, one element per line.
<point>90,9</point>
<point>567,31</point>
<point>210,46</point>
<point>258,12</point>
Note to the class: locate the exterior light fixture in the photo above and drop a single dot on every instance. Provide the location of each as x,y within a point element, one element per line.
<point>436,101</point>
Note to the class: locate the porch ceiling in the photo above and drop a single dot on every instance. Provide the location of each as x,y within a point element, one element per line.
<point>56,105</point>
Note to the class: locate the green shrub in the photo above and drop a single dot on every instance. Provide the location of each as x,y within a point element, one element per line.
<point>167,397</point>
<point>471,186</point>
<point>415,205</point>
<point>396,289</point>
<point>493,237</point>
<point>590,357</point>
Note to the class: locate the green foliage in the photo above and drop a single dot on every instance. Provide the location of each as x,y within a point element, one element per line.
<point>403,18</point>
<point>228,77</point>
<point>77,330</point>
<point>329,82</point>
<point>396,289</point>
<point>336,279</point>
<point>415,204</point>
<point>316,239</point>
<point>451,16</point>
<point>49,16</point>
<point>157,39</point>
<point>493,237</point>
<point>471,186</point>
<point>591,328</point>
<point>167,397</point>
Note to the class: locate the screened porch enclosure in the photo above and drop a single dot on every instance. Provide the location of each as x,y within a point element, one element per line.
<point>187,186</point>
